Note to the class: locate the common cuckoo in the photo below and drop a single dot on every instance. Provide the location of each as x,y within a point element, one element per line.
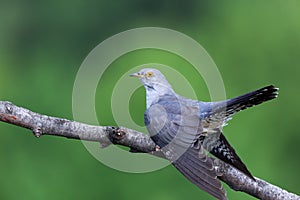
<point>182,128</point>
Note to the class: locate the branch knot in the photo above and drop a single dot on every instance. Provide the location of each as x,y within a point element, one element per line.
<point>115,133</point>
<point>8,107</point>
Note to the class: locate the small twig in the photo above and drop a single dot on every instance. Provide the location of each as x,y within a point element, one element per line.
<point>139,142</point>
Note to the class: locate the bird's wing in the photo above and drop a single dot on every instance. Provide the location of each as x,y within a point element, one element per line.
<point>223,110</point>
<point>171,120</point>
<point>198,168</point>
<point>175,126</point>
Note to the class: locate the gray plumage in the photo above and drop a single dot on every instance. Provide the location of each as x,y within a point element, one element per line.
<point>182,127</point>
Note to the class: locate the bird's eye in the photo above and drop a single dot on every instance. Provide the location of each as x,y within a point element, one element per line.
<point>149,74</point>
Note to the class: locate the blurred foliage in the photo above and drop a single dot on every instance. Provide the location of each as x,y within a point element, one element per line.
<point>43,43</point>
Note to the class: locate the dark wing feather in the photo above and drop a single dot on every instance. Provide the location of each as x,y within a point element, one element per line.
<point>218,145</point>
<point>198,168</point>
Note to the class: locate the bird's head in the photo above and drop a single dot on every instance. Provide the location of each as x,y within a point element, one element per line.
<point>153,79</point>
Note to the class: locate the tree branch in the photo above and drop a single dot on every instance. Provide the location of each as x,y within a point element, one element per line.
<point>106,135</point>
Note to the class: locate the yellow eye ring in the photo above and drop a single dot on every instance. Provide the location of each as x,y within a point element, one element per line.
<point>149,74</point>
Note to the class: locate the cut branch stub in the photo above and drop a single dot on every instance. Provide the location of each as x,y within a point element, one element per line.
<point>37,131</point>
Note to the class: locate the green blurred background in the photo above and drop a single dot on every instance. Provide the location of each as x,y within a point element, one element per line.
<point>43,43</point>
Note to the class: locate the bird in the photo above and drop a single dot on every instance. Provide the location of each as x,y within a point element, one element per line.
<point>185,129</point>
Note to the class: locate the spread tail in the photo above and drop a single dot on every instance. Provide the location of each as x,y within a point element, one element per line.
<point>225,109</point>
<point>251,99</point>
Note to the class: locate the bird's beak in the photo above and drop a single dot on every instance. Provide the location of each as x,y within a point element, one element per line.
<point>137,75</point>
